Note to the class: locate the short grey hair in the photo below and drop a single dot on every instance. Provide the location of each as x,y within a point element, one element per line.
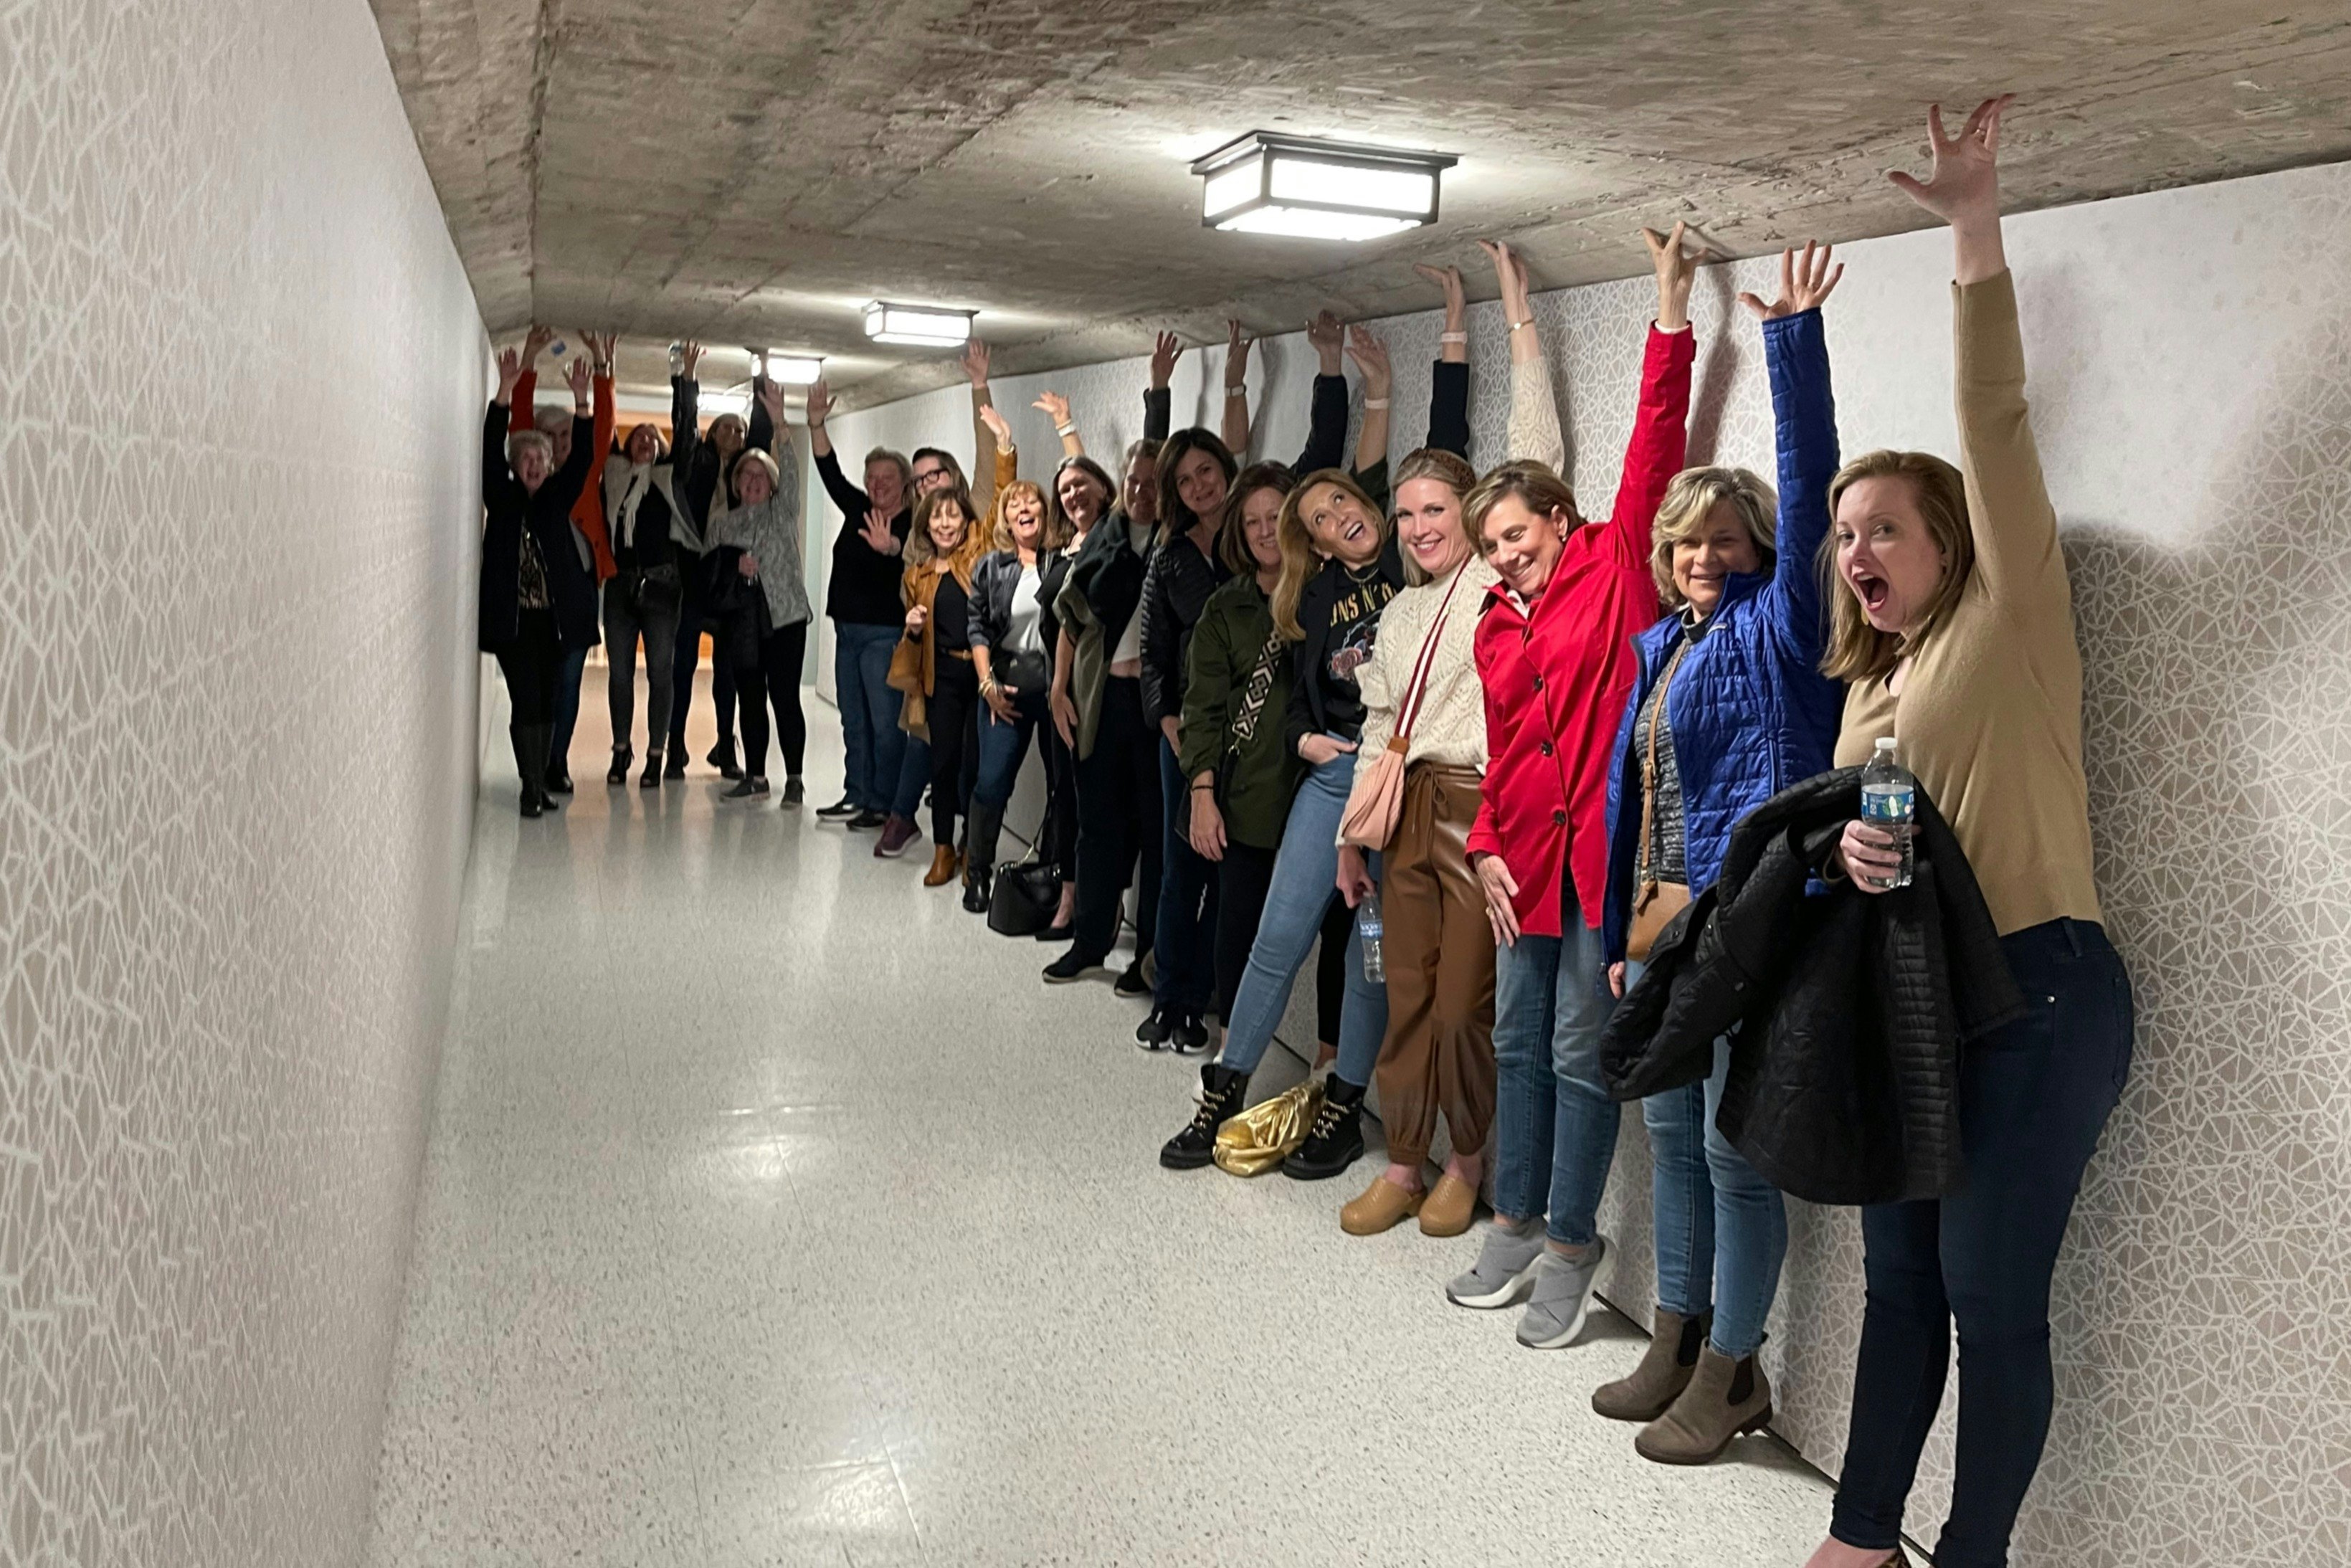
<point>522,440</point>
<point>551,420</point>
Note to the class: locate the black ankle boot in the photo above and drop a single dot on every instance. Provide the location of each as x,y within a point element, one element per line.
<point>1336,1139</point>
<point>979,883</point>
<point>652,777</point>
<point>621,757</point>
<point>1223,1091</point>
<point>531,743</point>
<point>722,757</point>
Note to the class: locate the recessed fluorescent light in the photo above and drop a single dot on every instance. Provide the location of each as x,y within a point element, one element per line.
<point>1268,182</point>
<point>795,370</point>
<point>918,326</point>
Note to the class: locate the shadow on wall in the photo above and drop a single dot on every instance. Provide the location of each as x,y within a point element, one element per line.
<point>2198,1339</point>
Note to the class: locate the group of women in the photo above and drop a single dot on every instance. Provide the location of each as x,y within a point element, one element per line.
<point>1269,694</point>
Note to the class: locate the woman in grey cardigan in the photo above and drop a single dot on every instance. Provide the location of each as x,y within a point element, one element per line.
<point>764,578</point>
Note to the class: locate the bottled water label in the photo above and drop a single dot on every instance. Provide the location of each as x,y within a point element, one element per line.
<point>1888,805</point>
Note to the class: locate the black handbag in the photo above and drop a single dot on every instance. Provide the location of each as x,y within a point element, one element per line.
<point>1027,674</point>
<point>1028,896</point>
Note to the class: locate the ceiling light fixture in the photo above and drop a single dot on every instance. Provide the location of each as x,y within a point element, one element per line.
<point>788,369</point>
<point>1268,182</point>
<point>918,326</point>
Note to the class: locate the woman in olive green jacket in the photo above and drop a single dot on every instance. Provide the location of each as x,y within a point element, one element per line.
<point>1242,772</point>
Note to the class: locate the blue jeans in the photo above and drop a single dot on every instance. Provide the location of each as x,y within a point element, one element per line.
<point>1721,1230</point>
<point>876,746</point>
<point>1003,747</point>
<point>1185,938</point>
<point>1305,880</point>
<point>2033,1098</point>
<point>914,775</point>
<point>1555,1125</point>
<point>567,676</point>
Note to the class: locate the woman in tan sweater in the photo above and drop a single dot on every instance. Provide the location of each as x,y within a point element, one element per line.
<point>1955,627</point>
<point>1438,1053</point>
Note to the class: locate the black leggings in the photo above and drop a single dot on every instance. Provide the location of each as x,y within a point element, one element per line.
<point>775,678</point>
<point>1058,834</point>
<point>1242,878</point>
<point>954,721</point>
<point>531,663</point>
<point>1118,821</point>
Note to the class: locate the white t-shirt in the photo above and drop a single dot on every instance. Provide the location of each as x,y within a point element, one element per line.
<point>1027,635</point>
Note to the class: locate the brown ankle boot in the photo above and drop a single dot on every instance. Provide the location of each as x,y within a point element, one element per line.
<point>1665,1371</point>
<point>943,867</point>
<point>1725,1399</point>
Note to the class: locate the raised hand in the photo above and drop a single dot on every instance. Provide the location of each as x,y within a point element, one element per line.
<point>1448,278</point>
<point>509,372</point>
<point>578,380</point>
<point>1054,406</point>
<point>1164,352</point>
<point>1509,276</point>
<point>602,348</point>
<point>535,344</point>
<point>1803,285</point>
<point>1965,181</point>
<point>878,534</point>
<point>1326,336</point>
<point>1371,357</point>
<point>689,354</point>
<point>1677,270</point>
<point>975,361</point>
<point>820,403</point>
<point>772,398</point>
<point>1236,353</point>
<point>990,417</point>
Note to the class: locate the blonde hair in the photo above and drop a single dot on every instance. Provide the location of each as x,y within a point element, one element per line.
<point>1690,499</point>
<point>1050,534</point>
<point>1531,484</point>
<point>1450,469</point>
<point>1856,650</point>
<point>745,458</point>
<point>1299,559</point>
<point>905,470</point>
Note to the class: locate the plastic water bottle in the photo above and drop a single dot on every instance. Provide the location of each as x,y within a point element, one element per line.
<point>1889,803</point>
<point>1367,931</point>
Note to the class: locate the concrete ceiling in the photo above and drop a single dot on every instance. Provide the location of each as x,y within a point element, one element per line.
<point>754,171</point>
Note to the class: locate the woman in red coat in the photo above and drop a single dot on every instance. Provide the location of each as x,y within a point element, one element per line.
<point>1555,653</point>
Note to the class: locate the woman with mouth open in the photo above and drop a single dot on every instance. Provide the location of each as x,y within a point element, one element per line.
<point>1555,653</point>
<point>1954,622</point>
<point>1728,709</point>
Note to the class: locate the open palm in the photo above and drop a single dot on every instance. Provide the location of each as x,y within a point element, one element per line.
<point>1965,180</point>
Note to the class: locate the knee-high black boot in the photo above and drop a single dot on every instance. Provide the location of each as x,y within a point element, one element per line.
<point>531,743</point>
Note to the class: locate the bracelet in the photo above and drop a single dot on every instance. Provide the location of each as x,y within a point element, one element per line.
<point>1197,787</point>
<point>1374,404</point>
<point>1238,389</point>
<point>1453,337</point>
<point>1517,326</point>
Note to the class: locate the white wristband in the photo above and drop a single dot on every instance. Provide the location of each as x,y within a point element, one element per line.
<point>1069,429</point>
<point>1453,337</point>
<point>1237,389</point>
<point>1376,402</point>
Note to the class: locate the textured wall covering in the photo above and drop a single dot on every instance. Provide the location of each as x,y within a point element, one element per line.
<point>2187,353</point>
<point>237,419</point>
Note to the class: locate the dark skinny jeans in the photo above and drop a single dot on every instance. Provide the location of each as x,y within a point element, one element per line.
<point>953,720</point>
<point>775,679</point>
<point>1118,821</point>
<point>2033,1098</point>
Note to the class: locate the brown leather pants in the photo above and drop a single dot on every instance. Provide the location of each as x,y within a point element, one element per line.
<point>1439,1055</point>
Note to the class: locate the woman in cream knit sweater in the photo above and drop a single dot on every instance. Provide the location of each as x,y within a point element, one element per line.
<point>1438,1053</point>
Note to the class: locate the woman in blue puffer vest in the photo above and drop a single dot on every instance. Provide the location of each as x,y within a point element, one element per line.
<point>1735,667</point>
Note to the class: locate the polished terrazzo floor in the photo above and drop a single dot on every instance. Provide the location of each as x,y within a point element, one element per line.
<point>776,1214</point>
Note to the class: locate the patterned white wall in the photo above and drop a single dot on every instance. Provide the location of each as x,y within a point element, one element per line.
<point>2188,354</point>
<point>237,423</point>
